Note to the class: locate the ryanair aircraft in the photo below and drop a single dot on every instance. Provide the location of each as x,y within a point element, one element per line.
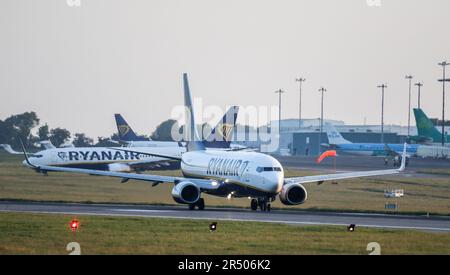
<point>106,159</point>
<point>225,173</point>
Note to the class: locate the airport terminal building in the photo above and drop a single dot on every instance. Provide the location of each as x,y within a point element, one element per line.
<point>303,138</point>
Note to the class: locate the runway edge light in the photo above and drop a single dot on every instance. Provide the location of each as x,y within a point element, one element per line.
<point>213,226</point>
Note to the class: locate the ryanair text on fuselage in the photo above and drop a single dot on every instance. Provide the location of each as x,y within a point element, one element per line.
<point>98,155</point>
<point>226,167</point>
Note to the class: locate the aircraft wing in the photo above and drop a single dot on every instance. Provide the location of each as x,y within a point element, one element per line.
<point>201,183</point>
<point>149,164</point>
<point>168,157</point>
<point>350,175</point>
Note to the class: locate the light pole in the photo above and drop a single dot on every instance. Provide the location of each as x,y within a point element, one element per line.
<point>279,92</point>
<point>301,80</point>
<point>409,77</point>
<point>419,85</point>
<point>443,64</point>
<point>383,86</point>
<point>321,90</point>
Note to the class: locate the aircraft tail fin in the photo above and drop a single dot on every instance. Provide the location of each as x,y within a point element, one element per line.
<point>125,132</point>
<point>222,134</point>
<point>193,141</point>
<point>334,137</point>
<point>425,126</point>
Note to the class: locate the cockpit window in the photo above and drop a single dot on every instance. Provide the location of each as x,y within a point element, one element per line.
<point>38,156</point>
<point>268,169</point>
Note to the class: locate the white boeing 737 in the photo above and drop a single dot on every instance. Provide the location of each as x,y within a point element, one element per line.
<point>106,159</point>
<point>226,173</point>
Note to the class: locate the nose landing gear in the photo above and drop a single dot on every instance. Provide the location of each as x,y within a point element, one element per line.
<point>254,204</point>
<point>262,203</point>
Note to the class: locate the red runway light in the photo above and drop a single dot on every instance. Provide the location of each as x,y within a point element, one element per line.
<point>74,224</point>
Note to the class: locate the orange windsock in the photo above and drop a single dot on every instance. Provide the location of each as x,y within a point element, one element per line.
<point>329,153</point>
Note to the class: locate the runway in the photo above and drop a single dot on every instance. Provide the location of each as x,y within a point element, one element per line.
<point>293,217</point>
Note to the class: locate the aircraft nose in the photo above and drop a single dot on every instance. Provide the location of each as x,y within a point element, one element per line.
<point>276,181</point>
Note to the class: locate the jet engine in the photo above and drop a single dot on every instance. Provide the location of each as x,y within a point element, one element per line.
<point>186,192</point>
<point>293,194</point>
<point>119,167</point>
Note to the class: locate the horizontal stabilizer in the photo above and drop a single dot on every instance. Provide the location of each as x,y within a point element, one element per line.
<point>9,149</point>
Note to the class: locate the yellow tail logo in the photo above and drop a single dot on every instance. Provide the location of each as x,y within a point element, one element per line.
<point>123,129</point>
<point>225,131</point>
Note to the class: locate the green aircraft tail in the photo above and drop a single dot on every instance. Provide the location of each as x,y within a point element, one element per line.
<point>426,128</point>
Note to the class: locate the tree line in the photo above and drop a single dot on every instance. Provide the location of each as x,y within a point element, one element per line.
<point>21,126</point>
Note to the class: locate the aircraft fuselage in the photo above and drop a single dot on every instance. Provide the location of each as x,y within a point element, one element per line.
<point>241,174</point>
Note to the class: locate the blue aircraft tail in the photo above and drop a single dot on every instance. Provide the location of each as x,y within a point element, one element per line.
<point>222,134</point>
<point>125,131</point>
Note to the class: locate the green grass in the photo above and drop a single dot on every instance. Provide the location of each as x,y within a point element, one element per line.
<point>24,233</point>
<point>443,172</point>
<point>422,195</point>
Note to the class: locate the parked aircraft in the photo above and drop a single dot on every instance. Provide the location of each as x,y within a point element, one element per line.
<point>220,136</point>
<point>427,131</point>
<point>337,141</point>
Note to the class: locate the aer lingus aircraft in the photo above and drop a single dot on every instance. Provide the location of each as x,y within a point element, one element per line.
<point>226,173</point>
<point>427,131</point>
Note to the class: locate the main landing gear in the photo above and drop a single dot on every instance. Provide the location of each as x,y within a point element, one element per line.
<point>262,203</point>
<point>200,204</point>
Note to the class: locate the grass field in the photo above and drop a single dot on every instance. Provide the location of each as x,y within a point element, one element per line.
<point>23,233</point>
<point>422,195</point>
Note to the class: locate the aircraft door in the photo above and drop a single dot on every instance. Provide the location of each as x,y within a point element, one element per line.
<point>246,175</point>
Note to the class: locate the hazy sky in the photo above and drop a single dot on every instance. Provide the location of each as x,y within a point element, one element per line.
<point>77,66</point>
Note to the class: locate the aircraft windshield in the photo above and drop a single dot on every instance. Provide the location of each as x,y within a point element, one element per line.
<point>268,169</point>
